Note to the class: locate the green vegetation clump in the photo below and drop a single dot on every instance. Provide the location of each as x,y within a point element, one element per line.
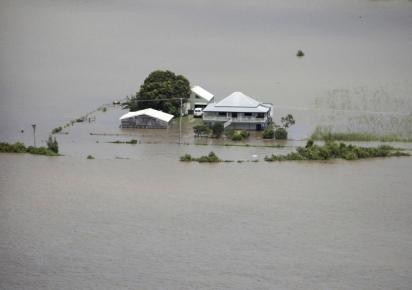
<point>21,148</point>
<point>268,133</point>
<point>201,130</point>
<point>211,158</point>
<point>52,144</point>
<point>57,130</point>
<point>326,134</point>
<point>90,157</point>
<point>133,141</point>
<point>161,90</point>
<point>333,150</point>
<point>281,133</point>
<point>237,135</point>
<point>217,130</point>
<point>300,53</point>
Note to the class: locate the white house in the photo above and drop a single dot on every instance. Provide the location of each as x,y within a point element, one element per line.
<point>239,111</point>
<point>147,118</point>
<point>199,98</point>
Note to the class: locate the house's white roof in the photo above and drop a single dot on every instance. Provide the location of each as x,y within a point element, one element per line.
<point>201,92</point>
<point>238,99</point>
<point>149,112</point>
<point>238,102</point>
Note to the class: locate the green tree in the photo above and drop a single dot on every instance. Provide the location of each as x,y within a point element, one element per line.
<point>201,130</point>
<point>217,129</point>
<point>52,144</point>
<point>161,90</point>
<point>287,121</point>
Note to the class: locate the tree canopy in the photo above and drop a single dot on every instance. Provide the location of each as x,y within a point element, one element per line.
<point>161,90</point>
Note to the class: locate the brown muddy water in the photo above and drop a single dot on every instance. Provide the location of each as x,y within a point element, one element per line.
<point>152,222</point>
<point>71,223</point>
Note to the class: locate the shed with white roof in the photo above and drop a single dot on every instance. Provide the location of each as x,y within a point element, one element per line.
<point>147,118</point>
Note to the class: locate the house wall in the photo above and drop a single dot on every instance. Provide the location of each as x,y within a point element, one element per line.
<point>144,122</point>
<point>241,122</point>
<point>196,99</point>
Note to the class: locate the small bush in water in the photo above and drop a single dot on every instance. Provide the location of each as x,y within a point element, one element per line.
<point>211,158</point>
<point>281,133</point>
<point>268,133</point>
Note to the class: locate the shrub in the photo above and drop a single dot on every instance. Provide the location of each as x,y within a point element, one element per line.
<point>300,53</point>
<point>211,157</point>
<point>186,157</point>
<point>239,135</point>
<point>217,129</point>
<point>57,130</point>
<point>90,157</point>
<point>268,133</point>
<point>281,134</point>
<point>52,144</point>
<point>201,130</point>
<point>309,143</point>
<point>331,150</point>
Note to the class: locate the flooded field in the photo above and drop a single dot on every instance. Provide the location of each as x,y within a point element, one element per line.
<point>136,217</point>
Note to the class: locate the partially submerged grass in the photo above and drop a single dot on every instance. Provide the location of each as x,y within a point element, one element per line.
<point>211,158</point>
<point>21,148</point>
<point>333,150</point>
<point>326,134</point>
<point>90,157</point>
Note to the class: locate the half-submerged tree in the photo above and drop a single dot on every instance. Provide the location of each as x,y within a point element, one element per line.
<point>162,91</point>
<point>281,132</point>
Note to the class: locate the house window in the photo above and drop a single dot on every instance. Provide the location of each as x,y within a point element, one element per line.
<point>234,115</point>
<point>197,97</point>
<point>260,115</point>
<point>222,114</point>
<point>248,114</point>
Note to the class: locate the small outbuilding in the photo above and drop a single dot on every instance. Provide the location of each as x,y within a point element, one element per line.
<point>147,118</point>
<point>199,98</point>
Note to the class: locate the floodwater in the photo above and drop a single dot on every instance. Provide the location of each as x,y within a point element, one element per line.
<point>136,217</point>
<point>71,223</point>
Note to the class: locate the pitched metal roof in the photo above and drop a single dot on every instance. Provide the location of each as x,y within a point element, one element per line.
<point>149,112</point>
<point>238,102</point>
<point>238,99</point>
<point>201,92</point>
